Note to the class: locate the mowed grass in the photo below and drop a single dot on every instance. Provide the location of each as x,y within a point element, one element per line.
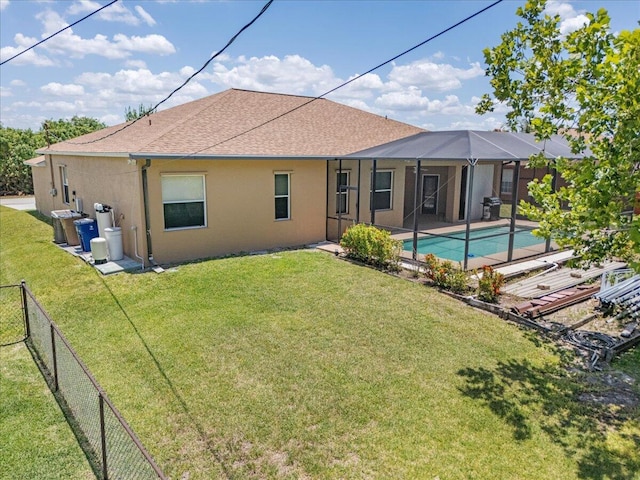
<point>300,365</point>
<point>35,439</point>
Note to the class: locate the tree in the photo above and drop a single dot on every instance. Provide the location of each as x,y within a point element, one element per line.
<point>133,114</point>
<point>60,130</point>
<point>585,86</point>
<point>18,145</point>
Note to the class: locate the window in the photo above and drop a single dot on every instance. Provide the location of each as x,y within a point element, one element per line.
<point>183,200</point>
<point>282,196</point>
<point>64,181</point>
<point>506,185</point>
<point>383,190</point>
<point>342,196</point>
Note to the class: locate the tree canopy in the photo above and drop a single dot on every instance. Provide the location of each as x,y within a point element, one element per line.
<point>18,145</point>
<point>131,113</point>
<point>584,85</point>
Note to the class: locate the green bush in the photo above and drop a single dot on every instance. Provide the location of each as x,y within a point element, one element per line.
<point>489,285</point>
<point>372,245</point>
<point>445,275</point>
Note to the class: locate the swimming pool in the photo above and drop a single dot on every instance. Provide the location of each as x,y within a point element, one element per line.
<point>451,247</point>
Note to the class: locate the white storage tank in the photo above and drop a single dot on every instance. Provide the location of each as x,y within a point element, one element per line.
<point>99,250</point>
<point>104,217</point>
<point>113,236</point>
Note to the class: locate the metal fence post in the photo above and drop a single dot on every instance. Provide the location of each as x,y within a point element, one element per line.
<point>55,357</point>
<point>103,437</point>
<point>25,308</point>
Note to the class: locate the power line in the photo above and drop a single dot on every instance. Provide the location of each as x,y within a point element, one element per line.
<point>59,31</point>
<point>433,37</point>
<point>217,54</point>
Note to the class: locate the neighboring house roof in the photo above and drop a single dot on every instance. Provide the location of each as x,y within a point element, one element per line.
<point>244,123</point>
<point>36,162</point>
<point>468,145</point>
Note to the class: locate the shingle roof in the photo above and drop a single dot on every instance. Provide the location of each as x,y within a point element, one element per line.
<point>231,123</point>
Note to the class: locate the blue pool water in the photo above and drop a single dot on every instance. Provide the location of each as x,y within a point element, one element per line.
<point>451,247</point>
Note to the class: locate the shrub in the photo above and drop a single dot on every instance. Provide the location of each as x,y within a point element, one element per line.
<point>372,245</point>
<point>489,284</point>
<point>445,275</point>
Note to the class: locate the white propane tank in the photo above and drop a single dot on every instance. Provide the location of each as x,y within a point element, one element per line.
<point>99,250</point>
<point>113,236</point>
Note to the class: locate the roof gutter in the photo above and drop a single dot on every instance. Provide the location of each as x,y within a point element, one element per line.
<point>189,156</point>
<point>47,151</point>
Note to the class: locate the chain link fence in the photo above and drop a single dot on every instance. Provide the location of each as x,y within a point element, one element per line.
<point>12,325</point>
<point>109,443</point>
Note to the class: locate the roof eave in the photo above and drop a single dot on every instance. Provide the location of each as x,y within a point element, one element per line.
<point>187,156</point>
<point>44,151</point>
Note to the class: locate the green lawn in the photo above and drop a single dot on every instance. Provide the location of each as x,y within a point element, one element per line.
<point>35,439</point>
<point>300,365</point>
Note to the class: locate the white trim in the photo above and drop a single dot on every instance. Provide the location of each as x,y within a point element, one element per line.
<point>287,196</point>
<point>170,202</point>
<point>390,190</point>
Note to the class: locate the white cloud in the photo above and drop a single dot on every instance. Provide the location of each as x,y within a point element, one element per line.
<point>151,44</point>
<point>27,58</point>
<point>116,12</point>
<point>136,64</point>
<point>122,46</point>
<point>18,83</point>
<point>3,4</point>
<point>144,15</point>
<point>293,74</point>
<point>433,76</point>
<point>58,89</point>
<point>570,19</point>
<point>5,92</point>
<point>132,87</point>
<point>477,123</point>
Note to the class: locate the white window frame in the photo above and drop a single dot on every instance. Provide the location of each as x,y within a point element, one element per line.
<point>509,182</point>
<point>203,200</point>
<point>64,184</point>
<point>390,189</point>
<point>278,196</point>
<point>344,193</point>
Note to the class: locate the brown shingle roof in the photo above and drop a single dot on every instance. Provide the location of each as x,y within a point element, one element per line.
<point>216,125</point>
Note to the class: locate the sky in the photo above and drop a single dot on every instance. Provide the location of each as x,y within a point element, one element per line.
<point>138,51</point>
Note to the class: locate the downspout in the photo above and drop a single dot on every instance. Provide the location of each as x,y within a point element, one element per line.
<point>145,201</point>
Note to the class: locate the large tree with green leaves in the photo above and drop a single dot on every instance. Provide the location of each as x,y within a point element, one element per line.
<point>584,85</point>
<point>18,145</point>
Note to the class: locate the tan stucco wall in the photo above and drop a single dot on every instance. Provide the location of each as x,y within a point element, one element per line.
<point>240,208</point>
<point>390,218</point>
<point>42,187</point>
<point>111,181</point>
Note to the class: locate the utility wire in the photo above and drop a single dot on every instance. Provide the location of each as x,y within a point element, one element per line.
<point>59,31</point>
<point>217,54</point>
<point>433,37</point>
